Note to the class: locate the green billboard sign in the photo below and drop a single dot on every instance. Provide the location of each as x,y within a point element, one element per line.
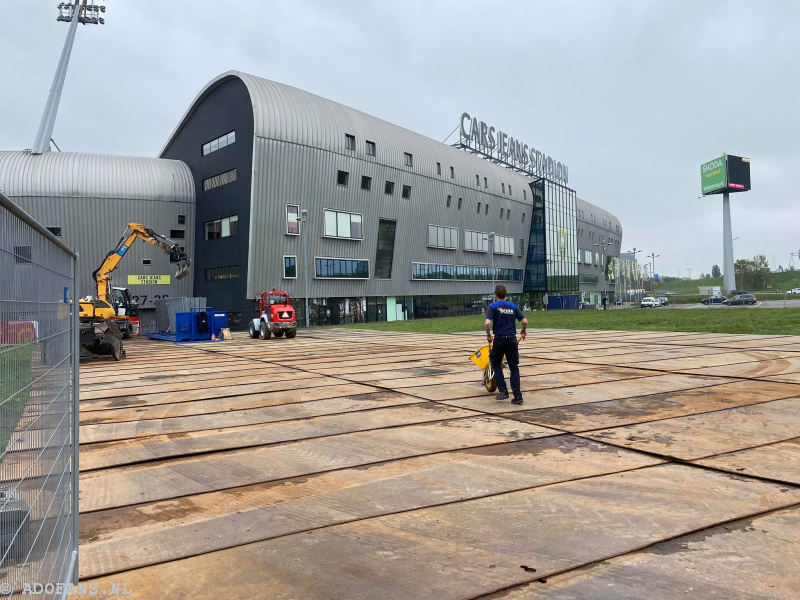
<point>714,175</point>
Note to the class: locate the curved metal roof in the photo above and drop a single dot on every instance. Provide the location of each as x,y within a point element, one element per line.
<point>286,113</point>
<point>83,175</point>
<point>599,213</point>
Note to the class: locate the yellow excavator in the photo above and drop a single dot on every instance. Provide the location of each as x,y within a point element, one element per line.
<point>105,318</point>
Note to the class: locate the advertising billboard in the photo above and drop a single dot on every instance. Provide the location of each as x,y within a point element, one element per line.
<point>727,173</point>
<point>714,175</point>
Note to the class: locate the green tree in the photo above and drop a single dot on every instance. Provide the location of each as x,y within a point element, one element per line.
<point>715,271</point>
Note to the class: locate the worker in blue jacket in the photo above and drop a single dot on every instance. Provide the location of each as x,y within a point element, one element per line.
<point>502,318</point>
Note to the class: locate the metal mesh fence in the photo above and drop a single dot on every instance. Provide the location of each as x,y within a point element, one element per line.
<point>38,408</point>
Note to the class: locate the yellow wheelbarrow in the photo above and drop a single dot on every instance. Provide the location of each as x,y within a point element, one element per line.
<point>481,359</point>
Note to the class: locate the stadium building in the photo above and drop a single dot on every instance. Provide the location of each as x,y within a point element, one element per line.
<point>273,187</point>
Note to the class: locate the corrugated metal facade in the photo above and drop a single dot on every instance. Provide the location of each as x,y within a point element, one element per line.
<point>92,197</point>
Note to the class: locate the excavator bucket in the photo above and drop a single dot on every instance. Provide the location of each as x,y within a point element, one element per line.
<point>183,269</point>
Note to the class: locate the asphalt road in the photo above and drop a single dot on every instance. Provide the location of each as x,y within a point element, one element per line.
<point>789,303</point>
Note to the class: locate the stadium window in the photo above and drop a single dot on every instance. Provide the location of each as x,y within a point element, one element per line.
<point>292,219</point>
<point>479,208</point>
<point>389,188</point>
<point>460,200</point>
<point>56,231</point>
<point>220,228</point>
<point>219,143</point>
<point>485,183</point>
<point>406,192</point>
<point>349,142</point>
<point>290,267</point>
<point>370,148</point>
<point>486,209</point>
<point>449,199</point>
<point>343,225</point>
<point>177,234</point>
<point>181,219</point>
<point>452,173</point>
<point>366,182</point>
<point>438,168</point>
<point>502,211</point>
<point>146,262</point>
<point>478,180</point>
<point>504,187</point>
<point>342,177</point>
<point>408,159</point>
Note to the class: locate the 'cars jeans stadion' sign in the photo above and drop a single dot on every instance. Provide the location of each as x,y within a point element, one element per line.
<point>498,145</point>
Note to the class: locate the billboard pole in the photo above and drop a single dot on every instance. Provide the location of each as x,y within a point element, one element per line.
<point>729,281</point>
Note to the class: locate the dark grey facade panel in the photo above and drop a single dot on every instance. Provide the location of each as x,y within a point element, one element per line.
<point>224,109</point>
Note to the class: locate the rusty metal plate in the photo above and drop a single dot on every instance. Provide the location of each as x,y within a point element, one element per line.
<point>550,380</point>
<point>625,411</point>
<point>751,559</point>
<point>583,394</point>
<point>700,436</point>
<point>774,363</point>
<point>110,431</point>
<point>471,548</point>
<point>203,393</point>
<point>126,409</point>
<point>178,477</point>
<point>131,537</point>
<point>112,454</point>
<point>779,461</point>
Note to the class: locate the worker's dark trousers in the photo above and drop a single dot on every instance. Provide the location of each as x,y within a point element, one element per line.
<point>506,345</point>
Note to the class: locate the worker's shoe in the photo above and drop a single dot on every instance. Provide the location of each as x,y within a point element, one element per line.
<point>516,400</point>
<point>502,396</point>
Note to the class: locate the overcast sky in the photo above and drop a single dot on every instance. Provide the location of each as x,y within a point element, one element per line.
<point>633,96</point>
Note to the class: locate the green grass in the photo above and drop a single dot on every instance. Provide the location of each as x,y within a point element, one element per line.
<point>778,321</point>
<point>15,374</point>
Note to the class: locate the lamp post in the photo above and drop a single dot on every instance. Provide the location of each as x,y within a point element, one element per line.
<point>72,13</point>
<point>304,220</point>
<point>491,251</point>
<point>653,256</point>
<point>604,245</point>
<point>635,252</point>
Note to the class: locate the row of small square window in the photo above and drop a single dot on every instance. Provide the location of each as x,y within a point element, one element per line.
<point>408,161</point>
<point>343,178</point>
<point>503,211</point>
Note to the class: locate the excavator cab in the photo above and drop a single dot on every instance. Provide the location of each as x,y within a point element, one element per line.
<point>123,304</point>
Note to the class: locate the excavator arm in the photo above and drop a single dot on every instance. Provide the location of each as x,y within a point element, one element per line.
<point>137,231</point>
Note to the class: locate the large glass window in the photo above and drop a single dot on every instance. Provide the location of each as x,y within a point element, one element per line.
<point>503,244</point>
<point>219,143</point>
<point>343,225</point>
<point>384,255</point>
<point>290,267</point>
<point>341,268</point>
<point>221,228</point>
<point>463,272</point>
<point>442,237</point>
<point>476,241</point>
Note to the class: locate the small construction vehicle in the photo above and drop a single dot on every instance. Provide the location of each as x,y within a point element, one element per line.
<point>105,318</point>
<point>276,316</point>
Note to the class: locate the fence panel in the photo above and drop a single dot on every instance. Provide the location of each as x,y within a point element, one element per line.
<point>38,408</point>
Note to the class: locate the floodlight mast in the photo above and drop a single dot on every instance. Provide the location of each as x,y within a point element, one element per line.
<point>86,14</point>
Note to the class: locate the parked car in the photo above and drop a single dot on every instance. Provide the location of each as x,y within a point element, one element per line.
<point>794,291</point>
<point>714,300</point>
<point>658,301</point>
<point>648,302</point>
<point>664,300</point>
<point>741,299</point>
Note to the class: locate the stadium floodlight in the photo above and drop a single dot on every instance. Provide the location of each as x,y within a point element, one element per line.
<point>72,13</point>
